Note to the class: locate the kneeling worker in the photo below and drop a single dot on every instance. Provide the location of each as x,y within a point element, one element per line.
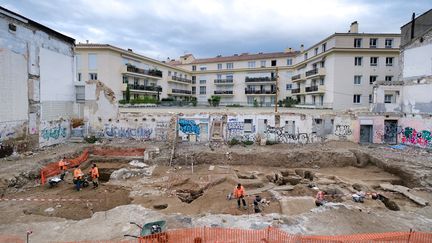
<point>239,193</point>
<point>94,172</point>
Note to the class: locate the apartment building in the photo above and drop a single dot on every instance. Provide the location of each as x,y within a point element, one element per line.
<point>242,79</point>
<point>336,73</point>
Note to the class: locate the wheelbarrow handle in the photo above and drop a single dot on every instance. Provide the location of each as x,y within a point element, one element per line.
<point>139,226</point>
<point>134,236</point>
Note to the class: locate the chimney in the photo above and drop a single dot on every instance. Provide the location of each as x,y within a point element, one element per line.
<point>87,41</point>
<point>288,50</point>
<point>301,48</point>
<point>354,27</point>
<point>130,50</point>
<point>412,26</point>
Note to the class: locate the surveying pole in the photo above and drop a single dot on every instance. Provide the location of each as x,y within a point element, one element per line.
<point>277,89</point>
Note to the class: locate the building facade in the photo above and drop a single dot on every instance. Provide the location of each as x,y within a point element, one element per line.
<point>336,73</point>
<point>105,72</point>
<point>37,97</point>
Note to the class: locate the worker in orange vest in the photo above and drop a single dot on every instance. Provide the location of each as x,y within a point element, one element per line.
<point>239,193</point>
<point>63,167</point>
<point>94,172</point>
<point>78,177</point>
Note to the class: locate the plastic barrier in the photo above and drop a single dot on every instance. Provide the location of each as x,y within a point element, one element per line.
<point>53,169</point>
<point>118,151</point>
<point>268,235</point>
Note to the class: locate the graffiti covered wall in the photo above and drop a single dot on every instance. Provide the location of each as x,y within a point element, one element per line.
<point>416,132</point>
<point>53,132</point>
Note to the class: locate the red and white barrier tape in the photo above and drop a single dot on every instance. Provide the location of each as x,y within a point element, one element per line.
<point>48,200</point>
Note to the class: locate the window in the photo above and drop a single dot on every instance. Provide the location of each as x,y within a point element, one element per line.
<point>323,64</point>
<point>80,93</point>
<point>193,68</point>
<point>388,98</point>
<point>305,56</point>
<point>358,61</point>
<point>250,100</point>
<point>193,79</point>
<point>374,61</point>
<point>273,63</point>
<point>357,42</point>
<point>193,90</point>
<point>389,61</point>
<point>92,61</point>
<point>388,43</point>
<point>288,86</point>
<point>181,75</point>
<point>357,79</point>
<point>356,99</point>
<point>79,77</point>
<point>321,81</point>
<point>78,61</point>
<point>373,42</point>
<point>218,76</point>
<point>12,27</point>
<point>202,81</point>
<point>169,73</point>
<point>93,76</point>
<point>289,61</point>
<point>136,81</point>
<point>323,47</point>
<point>219,66</point>
<point>388,78</point>
<point>372,79</point>
<point>316,51</point>
<point>125,80</point>
<point>229,76</point>
<point>203,68</point>
<point>202,90</point>
<point>289,127</point>
<point>248,122</point>
<point>251,64</point>
<point>230,65</point>
<point>263,64</point>
<point>175,74</point>
<point>370,99</point>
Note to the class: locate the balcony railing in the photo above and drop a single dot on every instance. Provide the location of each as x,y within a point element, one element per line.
<point>145,87</point>
<point>295,77</point>
<point>295,91</point>
<point>260,79</point>
<point>312,88</point>
<point>223,81</point>
<point>181,91</point>
<point>222,92</point>
<point>184,80</point>
<point>251,91</point>
<point>150,72</point>
<point>312,72</point>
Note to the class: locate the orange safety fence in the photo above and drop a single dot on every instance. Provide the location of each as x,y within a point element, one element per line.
<point>118,151</point>
<point>11,239</point>
<point>268,235</point>
<point>53,168</point>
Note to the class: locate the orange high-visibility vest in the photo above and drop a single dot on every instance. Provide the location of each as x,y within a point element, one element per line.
<point>62,165</point>
<point>94,172</point>
<point>77,173</point>
<point>238,192</point>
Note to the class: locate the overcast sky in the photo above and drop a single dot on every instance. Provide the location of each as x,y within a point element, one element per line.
<point>206,28</point>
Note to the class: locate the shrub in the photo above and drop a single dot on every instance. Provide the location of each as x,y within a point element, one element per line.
<point>233,142</point>
<point>127,94</point>
<point>214,100</point>
<point>123,102</point>
<point>255,104</point>
<point>289,102</point>
<point>167,99</point>
<point>248,142</point>
<point>280,103</point>
<point>268,142</point>
<point>91,139</point>
<point>145,100</point>
<point>234,105</point>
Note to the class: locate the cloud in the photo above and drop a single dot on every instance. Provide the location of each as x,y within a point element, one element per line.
<point>169,28</point>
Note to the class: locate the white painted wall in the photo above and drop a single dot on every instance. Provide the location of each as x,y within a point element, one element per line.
<point>418,61</point>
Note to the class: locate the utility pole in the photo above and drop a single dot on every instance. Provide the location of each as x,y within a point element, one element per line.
<point>277,89</point>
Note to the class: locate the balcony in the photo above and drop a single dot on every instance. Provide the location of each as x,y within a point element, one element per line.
<point>315,89</point>
<point>315,73</point>
<point>224,92</point>
<point>260,79</point>
<point>180,80</point>
<point>298,78</point>
<point>144,88</point>
<point>181,92</point>
<point>224,81</point>
<point>154,73</point>
<point>316,105</point>
<point>259,92</point>
<point>295,91</point>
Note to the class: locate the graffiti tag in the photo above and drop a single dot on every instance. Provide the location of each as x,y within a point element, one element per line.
<point>343,130</point>
<point>189,127</point>
<point>125,132</point>
<point>413,137</point>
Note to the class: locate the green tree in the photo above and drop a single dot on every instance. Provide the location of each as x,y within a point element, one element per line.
<point>127,94</point>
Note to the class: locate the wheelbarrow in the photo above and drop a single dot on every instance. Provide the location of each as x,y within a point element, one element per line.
<point>153,230</point>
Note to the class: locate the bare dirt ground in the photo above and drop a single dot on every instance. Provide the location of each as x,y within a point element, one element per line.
<point>193,196</point>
